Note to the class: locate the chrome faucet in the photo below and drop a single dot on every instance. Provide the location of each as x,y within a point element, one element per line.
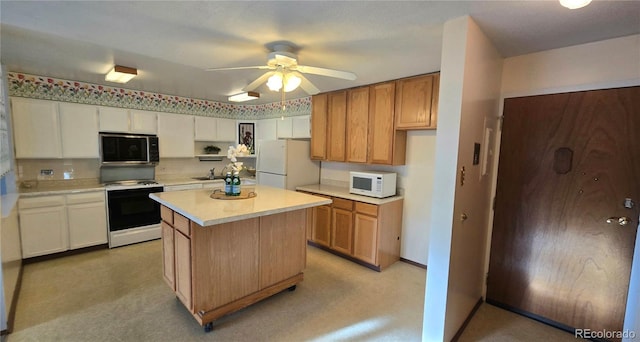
<point>212,173</point>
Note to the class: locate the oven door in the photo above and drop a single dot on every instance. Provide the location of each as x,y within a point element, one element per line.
<point>130,208</point>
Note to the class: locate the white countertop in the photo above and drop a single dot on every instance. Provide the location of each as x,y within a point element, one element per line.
<point>62,187</point>
<point>197,206</point>
<point>343,192</point>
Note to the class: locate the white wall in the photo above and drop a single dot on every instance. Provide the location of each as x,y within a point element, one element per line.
<point>415,180</point>
<point>470,79</point>
<point>599,65</point>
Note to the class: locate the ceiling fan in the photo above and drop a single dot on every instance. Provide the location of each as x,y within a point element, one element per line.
<point>285,73</point>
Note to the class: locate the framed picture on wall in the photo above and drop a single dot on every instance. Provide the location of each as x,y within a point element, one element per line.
<point>246,134</point>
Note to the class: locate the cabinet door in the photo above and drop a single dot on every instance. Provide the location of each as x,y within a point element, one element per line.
<point>168,251</point>
<point>301,126</point>
<point>336,117</point>
<point>415,102</point>
<point>206,128</point>
<point>357,125</point>
<point>284,128</point>
<point>79,130</point>
<point>365,240</point>
<point>319,127</point>
<point>321,230</point>
<point>143,122</point>
<point>175,133</point>
<point>114,119</point>
<point>36,129</point>
<point>227,129</point>
<point>87,224</point>
<point>266,130</point>
<point>43,231</point>
<point>342,230</point>
<point>386,145</point>
<point>282,246</point>
<point>183,268</point>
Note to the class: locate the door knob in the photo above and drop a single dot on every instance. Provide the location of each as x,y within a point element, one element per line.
<point>623,221</point>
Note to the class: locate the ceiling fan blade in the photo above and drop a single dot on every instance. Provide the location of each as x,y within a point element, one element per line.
<point>240,68</point>
<point>255,84</point>
<point>326,72</point>
<point>306,85</point>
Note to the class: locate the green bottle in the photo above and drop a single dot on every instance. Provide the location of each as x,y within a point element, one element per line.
<point>228,182</point>
<point>235,184</point>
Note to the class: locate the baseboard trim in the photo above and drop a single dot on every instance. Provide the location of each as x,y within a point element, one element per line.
<point>64,254</point>
<point>350,258</point>
<point>456,337</point>
<point>530,315</point>
<point>11,315</point>
<point>417,264</point>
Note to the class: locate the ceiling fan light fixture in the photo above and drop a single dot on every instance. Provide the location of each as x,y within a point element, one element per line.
<point>291,82</point>
<point>121,74</point>
<point>574,4</point>
<point>275,82</point>
<point>246,96</point>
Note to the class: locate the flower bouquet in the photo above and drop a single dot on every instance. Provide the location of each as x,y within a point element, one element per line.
<point>237,151</point>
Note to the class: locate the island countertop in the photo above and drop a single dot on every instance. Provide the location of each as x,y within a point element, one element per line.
<point>197,206</point>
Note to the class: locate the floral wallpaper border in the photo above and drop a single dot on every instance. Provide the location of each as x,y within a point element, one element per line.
<point>49,88</point>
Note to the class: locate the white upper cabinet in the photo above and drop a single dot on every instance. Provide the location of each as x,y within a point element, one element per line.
<point>301,126</point>
<point>206,128</point>
<point>143,122</point>
<point>284,126</point>
<point>36,128</point>
<point>226,129</point>
<point>79,130</point>
<point>127,121</point>
<point>114,119</point>
<point>294,127</point>
<point>176,135</point>
<point>214,129</point>
<point>266,130</point>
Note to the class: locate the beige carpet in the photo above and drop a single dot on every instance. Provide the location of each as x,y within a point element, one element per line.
<point>119,295</point>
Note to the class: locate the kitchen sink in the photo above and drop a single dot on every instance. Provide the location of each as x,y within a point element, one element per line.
<point>207,178</point>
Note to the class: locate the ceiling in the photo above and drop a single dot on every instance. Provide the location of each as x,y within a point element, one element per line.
<point>172,42</point>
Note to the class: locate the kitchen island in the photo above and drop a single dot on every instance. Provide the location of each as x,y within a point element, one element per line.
<point>221,255</point>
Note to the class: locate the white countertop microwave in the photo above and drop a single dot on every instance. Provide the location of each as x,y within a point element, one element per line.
<point>372,183</point>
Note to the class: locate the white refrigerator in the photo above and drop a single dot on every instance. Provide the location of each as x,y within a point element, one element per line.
<point>286,164</point>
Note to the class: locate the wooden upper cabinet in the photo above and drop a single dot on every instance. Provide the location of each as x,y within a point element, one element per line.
<point>357,127</point>
<point>386,145</point>
<point>319,127</point>
<point>417,102</point>
<point>336,118</point>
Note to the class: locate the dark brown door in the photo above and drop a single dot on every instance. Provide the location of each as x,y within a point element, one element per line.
<point>568,163</point>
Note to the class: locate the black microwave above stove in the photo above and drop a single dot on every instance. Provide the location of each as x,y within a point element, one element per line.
<point>128,149</point>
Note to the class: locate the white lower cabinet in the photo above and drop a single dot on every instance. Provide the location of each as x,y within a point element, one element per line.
<point>52,224</point>
<point>43,226</point>
<point>87,219</point>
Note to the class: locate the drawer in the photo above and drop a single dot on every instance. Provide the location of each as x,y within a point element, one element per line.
<point>166,214</point>
<point>342,203</point>
<point>40,202</point>
<point>85,197</point>
<point>366,208</point>
<point>181,223</point>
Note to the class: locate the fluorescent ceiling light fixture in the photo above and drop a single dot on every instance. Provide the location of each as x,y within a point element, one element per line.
<point>246,96</point>
<point>120,74</point>
<point>574,4</point>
